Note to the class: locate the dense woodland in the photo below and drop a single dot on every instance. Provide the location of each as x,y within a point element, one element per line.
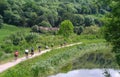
<point>49,13</point>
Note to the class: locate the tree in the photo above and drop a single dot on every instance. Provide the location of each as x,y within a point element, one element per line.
<point>77,20</point>
<point>66,28</point>
<point>112,31</point>
<point>45,24</point>
<point>1,21</point>
<point>11,18</point>
<point>3,6</point>
<point>89,21</point>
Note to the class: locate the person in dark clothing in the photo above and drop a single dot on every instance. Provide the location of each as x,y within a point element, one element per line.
<point>32,51</point>
<point>39,47</point>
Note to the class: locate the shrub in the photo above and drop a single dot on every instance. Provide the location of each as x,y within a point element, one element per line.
<point>89,21</point>
<point>16,38</point>
<point>91,30</point>
<point>31,38</point>
<point>1,53</point>
<point>78,30</point>
<point>66,28</point>
<point>45,24</point>
<point>35,28</point>
<point>8,49</point>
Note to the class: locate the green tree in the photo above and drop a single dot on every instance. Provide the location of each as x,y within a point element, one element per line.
<point>45,24</point>
<point>1,21</point>
<point>66,28</point>
<point>11,18</point>
<point>3,6</point>
<point>77,20</point>
<point>112,31</point>
<point>89,21</point>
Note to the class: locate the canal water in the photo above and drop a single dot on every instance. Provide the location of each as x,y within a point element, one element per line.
<point>88,73</point>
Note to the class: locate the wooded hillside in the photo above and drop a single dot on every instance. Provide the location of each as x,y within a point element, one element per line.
<point>51,12</point>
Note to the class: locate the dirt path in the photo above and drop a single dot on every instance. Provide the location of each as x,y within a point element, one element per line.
<point>6,66</point>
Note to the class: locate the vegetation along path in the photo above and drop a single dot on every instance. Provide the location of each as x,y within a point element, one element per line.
<point>6,66</point>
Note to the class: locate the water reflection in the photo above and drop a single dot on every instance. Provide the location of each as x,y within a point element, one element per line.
<point>88,73</point>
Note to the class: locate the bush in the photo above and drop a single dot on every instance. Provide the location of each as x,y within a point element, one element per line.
<point>31,38</point>
<point>8,49</point>
<point>78,30</point>
<point>45,24</point>
<point>35,28</point>
<point>1,53</point>
<point>91,30</point>
<point>89,21</point>
<point>16,38</point>
<point>66,28</point>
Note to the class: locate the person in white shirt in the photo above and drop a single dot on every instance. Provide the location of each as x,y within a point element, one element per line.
<point>26,52</point>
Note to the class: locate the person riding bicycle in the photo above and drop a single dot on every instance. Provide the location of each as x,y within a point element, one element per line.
<point>32,51</point>
<point>16,54</point>
<point>39,47</point>
<point>26,52</point>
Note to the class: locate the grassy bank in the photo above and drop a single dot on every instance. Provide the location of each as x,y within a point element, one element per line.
<point>7,30</point>
<point>34,40</point>
<point>59,60</point>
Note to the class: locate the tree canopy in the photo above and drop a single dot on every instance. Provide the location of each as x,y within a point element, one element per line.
<point>66,28</point>
<point>33,12</point>
<point>112,28</point>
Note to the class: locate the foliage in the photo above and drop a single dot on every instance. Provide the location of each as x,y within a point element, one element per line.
<point>78,30</point>
<point>8,30</point>
<point>8,49</point>
<point>1,53</point>
<point>31,38</point>
<point>89,21</point>
<point>91,30</point>
<point>35,28</point>
<point>112,31</point>
<point>78,20</point>
<point>16,38</point>
<point>45,24</point>
<point>52,62</point>
<point>33,12</point>
<point>1,21</point>
<point>66,28</point>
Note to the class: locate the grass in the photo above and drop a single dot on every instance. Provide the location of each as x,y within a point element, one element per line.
<point>42,40</point>
<point>7,30</point>
<point>49,40</point>
<point>60,60</point>
<point>101,58</point>
<point>53,62</point>
<point>56,40</point>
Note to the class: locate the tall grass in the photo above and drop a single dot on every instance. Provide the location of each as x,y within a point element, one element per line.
<point>7,30</point>
<point>43,41</point>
